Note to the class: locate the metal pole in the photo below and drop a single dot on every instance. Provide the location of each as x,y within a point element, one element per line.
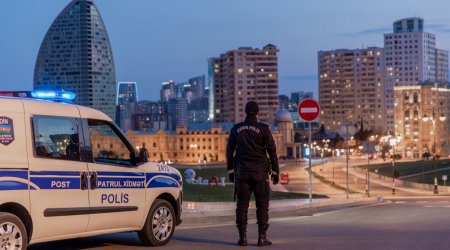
<point>346,154</point>
<point>393,171</point>
<point>434,157</point>
<point>368,177</point>
<point>333,171</point>
<point>310,165</point>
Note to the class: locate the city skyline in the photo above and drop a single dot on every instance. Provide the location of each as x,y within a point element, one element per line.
<point>153,42</point>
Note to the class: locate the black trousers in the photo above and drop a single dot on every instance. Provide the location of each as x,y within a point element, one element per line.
<point>258,183</point>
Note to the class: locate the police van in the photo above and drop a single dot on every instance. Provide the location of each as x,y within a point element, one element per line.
<point>66,171</point>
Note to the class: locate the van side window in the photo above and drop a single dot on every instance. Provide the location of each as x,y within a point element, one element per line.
<point>111,149</point>
<point>56,137</point>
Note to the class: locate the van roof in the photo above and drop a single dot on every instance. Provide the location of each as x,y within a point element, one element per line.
<point>44,107</point>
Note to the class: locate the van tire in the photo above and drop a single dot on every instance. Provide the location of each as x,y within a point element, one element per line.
<point>159,225</point>
<point>13,231</point>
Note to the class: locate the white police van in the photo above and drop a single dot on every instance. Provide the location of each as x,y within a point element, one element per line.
<point>67,171</point>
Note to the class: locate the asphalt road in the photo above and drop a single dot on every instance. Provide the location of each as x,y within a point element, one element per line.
<point>400,223</point>
<point>334,170</point>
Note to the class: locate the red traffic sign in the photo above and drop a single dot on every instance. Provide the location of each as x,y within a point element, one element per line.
<point>309,110</point>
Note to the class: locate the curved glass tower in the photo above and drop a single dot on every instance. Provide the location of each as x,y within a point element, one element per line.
<point>76,55</point>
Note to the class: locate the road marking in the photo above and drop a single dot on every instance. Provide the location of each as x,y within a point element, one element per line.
<point>400,202</point>
<point>351,208</point>
<point>422,201</point>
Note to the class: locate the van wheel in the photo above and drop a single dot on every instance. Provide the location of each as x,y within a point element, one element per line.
<point>160,224</point>
<point>13,234</point>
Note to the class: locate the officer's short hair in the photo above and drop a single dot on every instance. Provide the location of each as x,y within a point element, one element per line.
<point>251,108</point>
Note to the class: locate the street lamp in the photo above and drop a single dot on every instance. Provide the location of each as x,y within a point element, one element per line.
<point>392,142</point>
<point>346,131</point>
<point>434,113</point>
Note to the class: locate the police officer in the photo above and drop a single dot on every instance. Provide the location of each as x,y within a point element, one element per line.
<point>249,168</point>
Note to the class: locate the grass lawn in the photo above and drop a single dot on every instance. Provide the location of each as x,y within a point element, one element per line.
<point>206,193</point>
<point>410,168</point>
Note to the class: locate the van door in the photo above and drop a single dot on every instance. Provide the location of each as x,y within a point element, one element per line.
<point>58,177</point>
<point>117,186</point>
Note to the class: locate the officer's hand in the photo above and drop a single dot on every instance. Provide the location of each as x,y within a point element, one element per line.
<point>231,177</point>
<point>275,179</point>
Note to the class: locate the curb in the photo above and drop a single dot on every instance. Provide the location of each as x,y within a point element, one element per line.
<point>299,209</point>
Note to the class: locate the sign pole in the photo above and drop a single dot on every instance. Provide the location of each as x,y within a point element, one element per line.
<point>309,111</point>
<point>310,165</point>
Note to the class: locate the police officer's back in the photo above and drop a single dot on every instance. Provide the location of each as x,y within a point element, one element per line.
<point>249,167</point>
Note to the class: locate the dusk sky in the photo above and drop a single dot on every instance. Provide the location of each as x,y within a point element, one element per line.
<point>158,40</point>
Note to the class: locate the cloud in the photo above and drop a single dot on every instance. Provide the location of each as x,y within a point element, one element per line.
<point>372,31</point>
<point>439,27</point>
<point>375,31</point>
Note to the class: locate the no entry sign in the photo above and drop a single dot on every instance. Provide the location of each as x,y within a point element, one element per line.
<point>309,110</point>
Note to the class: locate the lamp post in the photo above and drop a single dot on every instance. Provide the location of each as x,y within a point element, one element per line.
<point>369,148</point>
<point>392,142</point>
<point>434,113</point>
<point>346,131</point>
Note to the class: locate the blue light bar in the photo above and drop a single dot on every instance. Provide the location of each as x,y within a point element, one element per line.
<point>62,96</point>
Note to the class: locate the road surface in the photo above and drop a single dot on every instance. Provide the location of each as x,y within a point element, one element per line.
<point>400,223</point>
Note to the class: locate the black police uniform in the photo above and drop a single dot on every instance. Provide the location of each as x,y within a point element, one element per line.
<point>252,142</point>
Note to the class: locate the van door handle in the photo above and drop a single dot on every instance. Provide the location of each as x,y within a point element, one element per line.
<point>83,180</point>
<point>93,180</point>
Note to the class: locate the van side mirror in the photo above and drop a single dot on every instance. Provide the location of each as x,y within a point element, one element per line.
<point>143,154</point>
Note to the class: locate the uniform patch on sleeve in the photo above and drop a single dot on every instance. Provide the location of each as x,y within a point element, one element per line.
<point>6,130</point>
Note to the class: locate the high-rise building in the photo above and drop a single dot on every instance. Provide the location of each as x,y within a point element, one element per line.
<point>178,111</point>
<point>213,73</point>
<point>421,119</point>
<point>127,92</point>
<point>441,65</point>
<point>198,86</point>
<point>350,88</point>
<point>198,110</point>
<point>297,97</point>
<point>145,115</point>
<point>411,57</point>
<point>76,55</point>
<point>243,75</point>
<point>283,101</point>
<point>168,90</point>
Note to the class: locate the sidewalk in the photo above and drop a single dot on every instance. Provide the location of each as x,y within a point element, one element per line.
<point>216,212</point>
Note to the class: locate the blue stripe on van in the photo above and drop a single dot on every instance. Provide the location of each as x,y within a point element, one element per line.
<point>151,175</point>
<point>12,185</point>
<point>23,174</point>
<point>160,182</point>
<point>9,184</point>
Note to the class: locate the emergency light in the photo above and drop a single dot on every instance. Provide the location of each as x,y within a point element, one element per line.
<point>62,96</point>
